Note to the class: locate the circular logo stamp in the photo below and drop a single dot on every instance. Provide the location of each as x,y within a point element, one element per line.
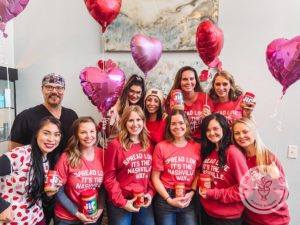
<point>263,189</point>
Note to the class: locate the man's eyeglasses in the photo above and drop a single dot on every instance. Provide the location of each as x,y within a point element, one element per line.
<point>51,88</point>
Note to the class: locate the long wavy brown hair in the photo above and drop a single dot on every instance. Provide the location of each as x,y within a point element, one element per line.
<point>235,91</point>
<point>177,84</point>
<point>124,135</point>
<point>123,100</point>
<point>73,148</point>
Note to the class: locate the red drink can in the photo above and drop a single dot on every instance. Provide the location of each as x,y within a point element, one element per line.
<point>89,204</point>
<point>176,100</point>
<point>179,190</point>
<point>138,192</point>
<point>248,98</point>
<point>51,181</point>
<point>204,181</point>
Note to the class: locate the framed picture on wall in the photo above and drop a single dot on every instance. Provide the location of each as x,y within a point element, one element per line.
<point>173,22</point>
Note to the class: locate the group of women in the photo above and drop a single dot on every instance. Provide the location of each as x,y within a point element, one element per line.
<point>153,149</point>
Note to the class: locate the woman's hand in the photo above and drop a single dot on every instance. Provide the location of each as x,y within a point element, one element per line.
<point>179,202</point>
<point>87,219</point>
<point>188,197</point>
<point>247,109</point>
<point>53,191</point>
<point>206,111</point>
<point>147,199</point>
<point>7,215</point>
<point>130,207</point>
<point>202,192</point>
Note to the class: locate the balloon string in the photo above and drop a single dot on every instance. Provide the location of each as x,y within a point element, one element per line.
<point>102,47</point>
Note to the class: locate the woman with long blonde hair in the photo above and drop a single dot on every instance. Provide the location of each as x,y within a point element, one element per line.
<point>81,169</point>
<point>127,171</point>
<point>262,161</point>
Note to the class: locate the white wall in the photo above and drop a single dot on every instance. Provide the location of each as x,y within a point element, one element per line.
<point>60,36</point>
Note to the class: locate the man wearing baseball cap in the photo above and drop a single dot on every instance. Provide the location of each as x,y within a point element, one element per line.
<point>26,122</point>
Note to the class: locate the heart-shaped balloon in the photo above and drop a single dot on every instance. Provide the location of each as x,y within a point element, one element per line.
<point>283,59</point>
<point>103,86</point>
<point>11,8</point>
<point>146,51</point>
<point>104,11</point>
<point>209,42</point>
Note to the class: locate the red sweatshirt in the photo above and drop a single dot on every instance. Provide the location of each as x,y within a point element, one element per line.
<point>156,130</point>
<point>278,217</point>
<point>125,170</point>
<point>231,109</point>
<point>88,176</point>
<point>194,113</point>
<point>223,200</point>
<point>177,164</point>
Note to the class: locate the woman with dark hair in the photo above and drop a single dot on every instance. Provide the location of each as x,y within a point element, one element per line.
<point>128,163</point>
<point>262,163</point>
<point>23,172</point>
<point>155,116</point>
<point>197,104</point>
<point>133,94</point>
<point>81,169</point>
<point>226,165</point>
<point>175,164</point>
<point>227,97</point>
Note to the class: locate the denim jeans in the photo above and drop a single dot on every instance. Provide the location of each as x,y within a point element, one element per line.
<point>218,221</point>
<point>166,214</point>
<point>119,216</point>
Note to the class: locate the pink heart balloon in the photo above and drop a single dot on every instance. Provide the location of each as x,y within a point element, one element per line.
<point>146,51</point>
<point>11,8</point>
<point>209,42</point>
<point>103,86</point>
<point>283,59</point>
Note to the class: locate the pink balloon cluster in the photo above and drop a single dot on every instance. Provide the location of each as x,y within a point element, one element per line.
<point>146,51</point>
<point>103,85</point>
<point>283,59</point>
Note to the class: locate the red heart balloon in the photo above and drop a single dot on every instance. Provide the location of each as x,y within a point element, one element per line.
<point>103,86</point>
<point>209,42</point>
<point>283,59</point>
<point>104,11</point>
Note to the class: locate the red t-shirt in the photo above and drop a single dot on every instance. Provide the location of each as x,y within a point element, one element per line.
<point>223,200</point>
<point>156,130</point>
<point>231,109</point>
<point>177,164</point>
<point>194,113</point>
<point>125,170</point>
<point>88,176</point>
<point>278,217</point>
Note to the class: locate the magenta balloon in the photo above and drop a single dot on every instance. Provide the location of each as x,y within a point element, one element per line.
<point>283,59</point>
<point>11,8</point>
<point>146,51</point>
<point>103,87</point>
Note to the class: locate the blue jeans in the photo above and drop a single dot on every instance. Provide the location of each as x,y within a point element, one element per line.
<point>166,214</point>
<point>119,216</point>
